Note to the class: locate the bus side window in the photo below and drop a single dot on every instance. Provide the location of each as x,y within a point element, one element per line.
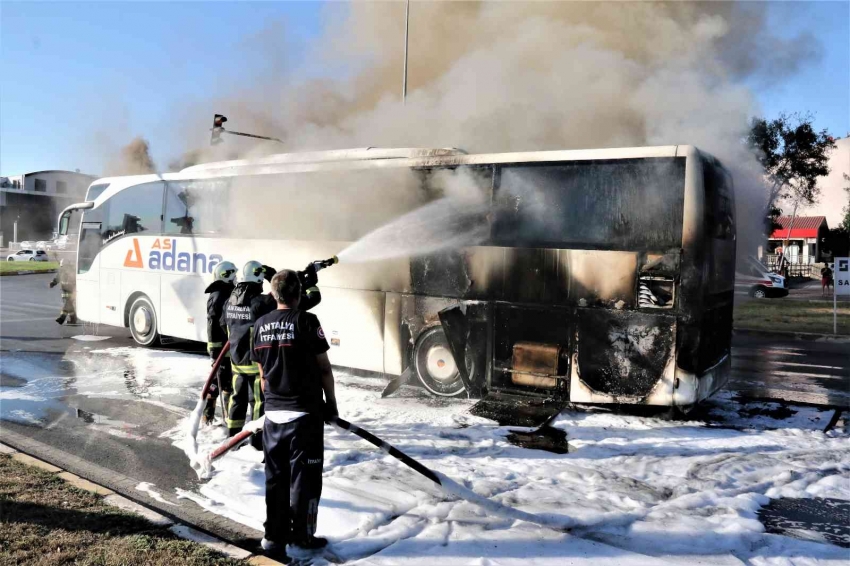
<point>134,210</point>
<point>196,207</point>
<point>90,240</point>
<point>719,215</point>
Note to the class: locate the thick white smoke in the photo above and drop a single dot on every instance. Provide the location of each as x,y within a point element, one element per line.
<point>520,76</point>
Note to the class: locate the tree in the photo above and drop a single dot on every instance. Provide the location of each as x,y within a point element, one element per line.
<point>793,156</point>
<point>845,222</point>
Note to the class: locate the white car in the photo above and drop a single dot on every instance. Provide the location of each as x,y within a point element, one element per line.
<point>756,280</point>
<point>28,255</point>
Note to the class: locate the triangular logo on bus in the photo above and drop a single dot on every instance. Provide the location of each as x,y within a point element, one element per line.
<point>129,261</point>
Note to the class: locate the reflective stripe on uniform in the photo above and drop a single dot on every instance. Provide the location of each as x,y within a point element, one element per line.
<point>252,369</point>
<point>258,399</point>
<point>231,423</point>
<point>312,290</point>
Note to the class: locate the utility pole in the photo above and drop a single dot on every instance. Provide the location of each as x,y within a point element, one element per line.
<point>406,33</point>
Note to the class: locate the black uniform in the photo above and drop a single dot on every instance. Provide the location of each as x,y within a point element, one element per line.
<point>246,304</point>
<point>219,292</point>
<point>286,344</point>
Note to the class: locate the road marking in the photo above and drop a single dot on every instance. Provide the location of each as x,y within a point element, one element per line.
<point>18,305</point>
<point>760,351</point>
<point>4,321</point>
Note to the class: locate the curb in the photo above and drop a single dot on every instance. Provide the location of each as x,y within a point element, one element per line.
<point>26,272</point>
<point>838,338</point>
<point>113,499</point>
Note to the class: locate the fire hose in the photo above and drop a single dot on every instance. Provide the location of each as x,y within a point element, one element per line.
<point>557,522</point>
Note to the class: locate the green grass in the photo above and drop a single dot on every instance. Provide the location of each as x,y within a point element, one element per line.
<point>17,266</point>
<point>44,521</point>
<point>786,315</point>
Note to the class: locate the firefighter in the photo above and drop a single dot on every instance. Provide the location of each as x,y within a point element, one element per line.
<point>65,279</point>
<point>246,304</point>
<point>290,351</point>
<point>219,291</point>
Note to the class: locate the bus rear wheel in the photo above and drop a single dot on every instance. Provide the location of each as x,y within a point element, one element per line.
<point>435,366</point>
<point>143,322</point>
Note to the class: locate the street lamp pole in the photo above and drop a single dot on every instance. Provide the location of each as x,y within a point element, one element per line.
<point>406,32</point>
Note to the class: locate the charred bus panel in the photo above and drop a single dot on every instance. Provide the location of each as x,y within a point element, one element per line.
<point>603,282</point>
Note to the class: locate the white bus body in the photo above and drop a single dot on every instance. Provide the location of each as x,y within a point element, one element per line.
<point>365,307</point>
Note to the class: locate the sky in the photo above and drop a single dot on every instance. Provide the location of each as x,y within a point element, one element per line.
<point>79,79</point>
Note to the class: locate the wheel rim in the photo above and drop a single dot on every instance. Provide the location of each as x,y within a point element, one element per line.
<point>440,364</point>
<point>142,321</point>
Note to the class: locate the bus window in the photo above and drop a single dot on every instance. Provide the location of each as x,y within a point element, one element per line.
<point>634,204</point>
<point>134,210</point>
<point>196,207</point>
<point>719,215</point>
<point>95,191</point>
<point>90,240</point>
<point>339,206</point>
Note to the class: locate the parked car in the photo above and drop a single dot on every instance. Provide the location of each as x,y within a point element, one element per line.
<point>757,280</point>
<point>27,245</point>
<point>44,245</point>
<point>28,255</point>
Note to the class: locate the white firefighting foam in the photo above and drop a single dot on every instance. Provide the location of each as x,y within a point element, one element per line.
<point>644,490</point>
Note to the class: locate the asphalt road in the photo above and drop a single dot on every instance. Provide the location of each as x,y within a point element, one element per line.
<point>99,408</point>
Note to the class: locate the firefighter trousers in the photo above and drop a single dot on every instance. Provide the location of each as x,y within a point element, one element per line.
<point>246,391</point>
<point>224,375</point>
<point>294,454</point>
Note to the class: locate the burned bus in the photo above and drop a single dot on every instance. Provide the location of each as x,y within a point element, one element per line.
<point>597,276</point>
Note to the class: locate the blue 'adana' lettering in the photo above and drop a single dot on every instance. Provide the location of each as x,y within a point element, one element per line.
<point>183,262</point>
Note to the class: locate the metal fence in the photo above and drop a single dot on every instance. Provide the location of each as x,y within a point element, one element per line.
<point>792,269</point>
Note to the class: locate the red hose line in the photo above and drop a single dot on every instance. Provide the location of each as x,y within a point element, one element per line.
<point>214,369</point>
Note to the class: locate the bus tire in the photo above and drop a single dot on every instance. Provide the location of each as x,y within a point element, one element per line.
<point>143,323</point>
<point>759,293</point>
<point>434,365</point>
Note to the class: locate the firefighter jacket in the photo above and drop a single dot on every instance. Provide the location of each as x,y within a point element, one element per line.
<point>65,279</point>
<point>219,292</point>
<point>310,294</point>
<point>246,304</point>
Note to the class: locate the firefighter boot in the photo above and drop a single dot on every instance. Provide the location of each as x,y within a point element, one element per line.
<point>209,410</point>
<point>61,319</point>
<point>72,319</point>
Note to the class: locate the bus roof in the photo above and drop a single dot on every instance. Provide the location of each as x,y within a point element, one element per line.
<point>368,158</point>
<point>332,155</point>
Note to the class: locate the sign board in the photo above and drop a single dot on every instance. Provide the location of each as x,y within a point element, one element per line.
<point>842,276</point>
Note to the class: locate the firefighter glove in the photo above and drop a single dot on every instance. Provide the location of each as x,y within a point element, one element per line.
<point>268,272</point>
<point>309,277</point>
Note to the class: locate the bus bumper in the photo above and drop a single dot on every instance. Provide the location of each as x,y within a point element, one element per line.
<point>690,388</point>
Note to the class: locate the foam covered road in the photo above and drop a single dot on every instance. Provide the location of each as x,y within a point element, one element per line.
<point>644,490</point>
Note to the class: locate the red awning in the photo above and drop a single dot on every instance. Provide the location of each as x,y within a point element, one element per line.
<point>804,227</point>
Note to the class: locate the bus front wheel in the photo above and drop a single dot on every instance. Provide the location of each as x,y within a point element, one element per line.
<point>143,322</point>
<point>435,366</point>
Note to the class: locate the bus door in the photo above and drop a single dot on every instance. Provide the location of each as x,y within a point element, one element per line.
<point>88,267</point>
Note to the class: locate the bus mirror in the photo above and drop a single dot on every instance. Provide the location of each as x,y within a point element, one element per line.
<point>217,129</point>
<point>63,223</point>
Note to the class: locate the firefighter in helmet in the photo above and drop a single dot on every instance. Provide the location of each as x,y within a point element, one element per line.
<point>219,292</point>
<point>246,304</point>
<point>66,281</point>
